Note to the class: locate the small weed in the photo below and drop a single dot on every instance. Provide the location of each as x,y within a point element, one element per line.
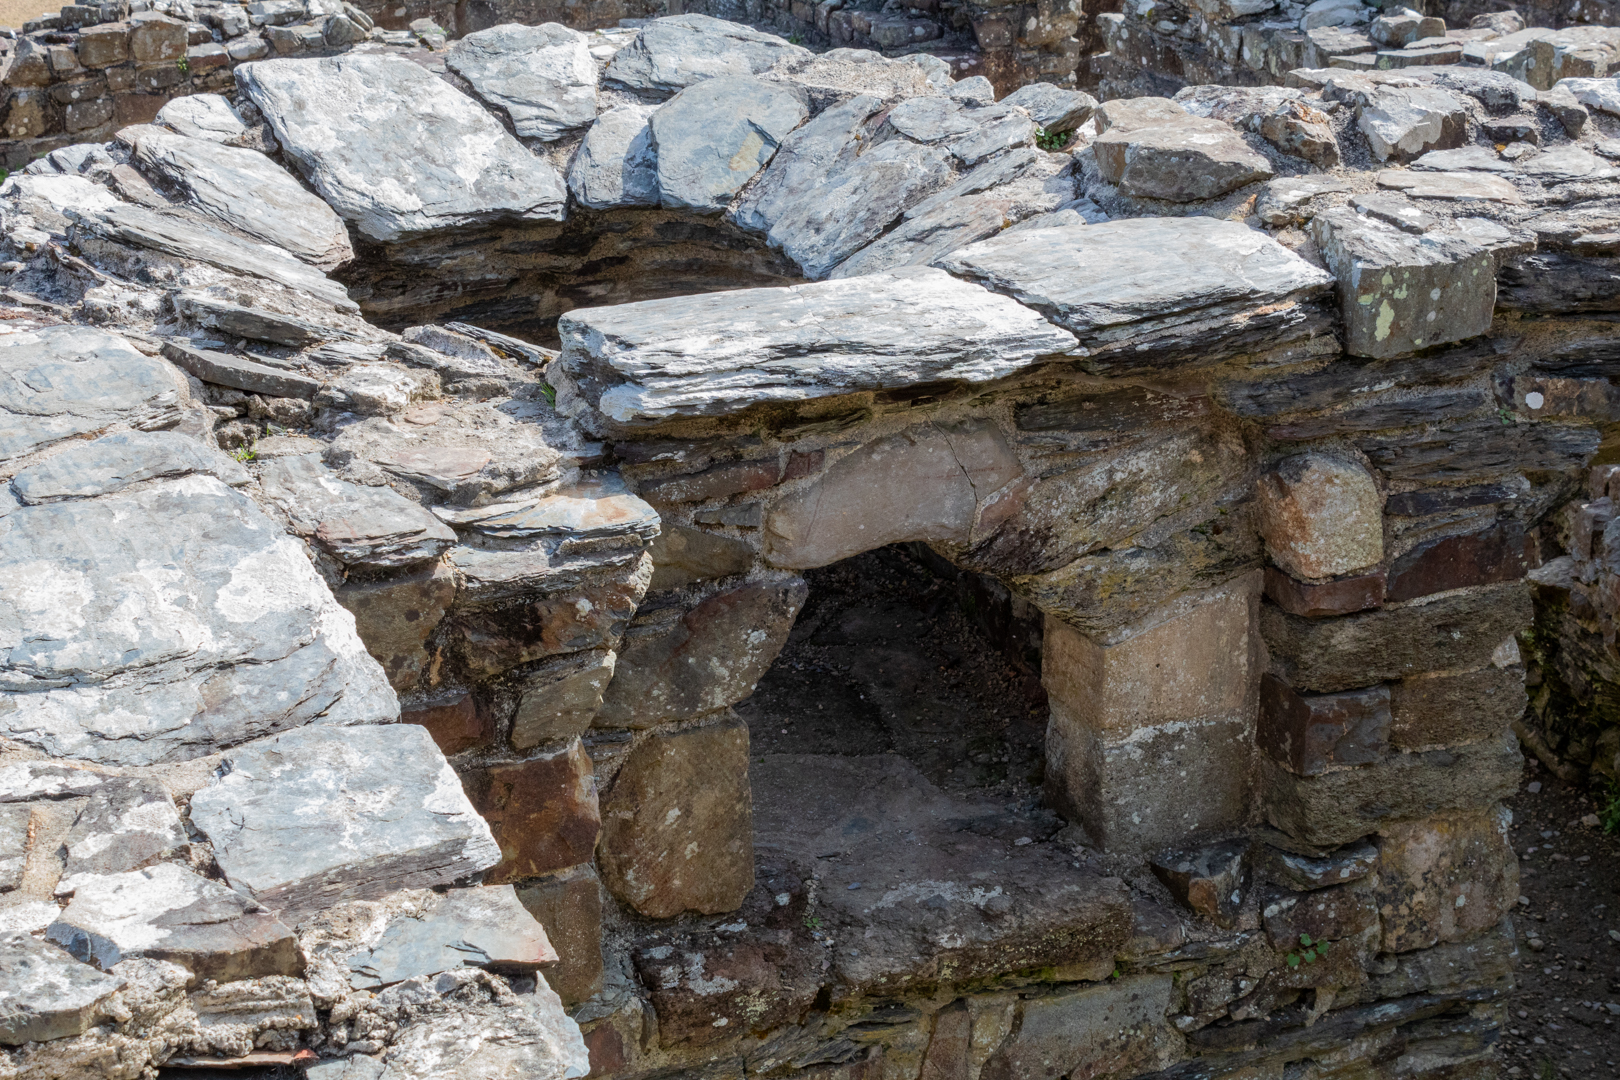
<point>1609,816</point>
<point>1052,140</point>
<point>1545,1070</point>
<point>185,68</point>
<point>3,174</point>
<point>244,454</point>
<point>1505,414</point>
<point>1309,953</point>
<point>549,392</point>
<point>795,39</point>
<point>812,922</point>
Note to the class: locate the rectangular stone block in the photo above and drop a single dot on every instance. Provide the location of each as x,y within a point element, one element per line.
<point>542,812</point>
<point>1330,914</point>
<point>1338,807</point>
<point>1311,733</point>
<point>560,698</point>
<point>395,617</point>
<point>569,905</point>
<point>1452,708</point>
<point>1504,552</point>
<point>1342,597</point>
<point>1116,1029</point>
<point>1449,631</point>
<point>1446,878</point>
<point>104,45</point>
<point>453,718</point>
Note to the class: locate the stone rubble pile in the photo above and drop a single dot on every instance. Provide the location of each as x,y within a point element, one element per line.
<point>367,669</point>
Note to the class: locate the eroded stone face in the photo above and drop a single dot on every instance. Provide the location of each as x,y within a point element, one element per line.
<point>1445,878</point>
<point>543,77</point>
<point>1321,518</point>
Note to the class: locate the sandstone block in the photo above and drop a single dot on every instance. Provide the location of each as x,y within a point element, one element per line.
<point>104,45</point>
<point>709,658</point>
<point>395,617</point>
<point>1452,631</point>
<point>156,38</point>
<point>926,483</point>
<point>711,138</point>
<point>1329,914</point>
<point>1338,807</point>
<point>682,556</point>
<point>543,812</point>
<point>1309,734</point>
<point>1321,518</point>
<point>453,719</point>
<point>1451,708</point>
<point>561,697</point>
<point>1341,597</point>
<point>1446,878</point>
<point>1209,881</point>
<point>45,993</point>
<point>1117,1028</point>
<point>1503,552</point>
<point>1184,161</point>
<point>677,829</point>
<point>569,905</point>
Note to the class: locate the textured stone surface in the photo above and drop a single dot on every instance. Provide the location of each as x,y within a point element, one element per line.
<point>542,812</point>
<point>677,825</point>
<point>569,905</point>
<point>616,165</point>
<point>45,993</point>
<point>311,817</point>
<point>710,139</point>
<point>366,527</point>
<point>1446,878</point>
<point>560,698</point>
<point>1303,872</point>
<point>1329,914</point>
<point>542,77</point>
<point>481,927</point>
<point>1185,161</point>
<point>394,618</point>
<point>397,151</point>
<point>1340,597</point>
<point>674,53</point>
<point>682,556</point>
<point>247,191</point>
<point>1321,518</point>
<point>1053,108</point>
<point>128,824</point>
<point>114,462</point>
<point>1503,552</point>
<point>250,644</point>
<point>203,116</point>
<point>710,355</point>
<point>1117,1027</point>
<point>1403,122</point>
<point>1209,881</point>
<point>1448,709</point>
<point>1310,733</point>
<point>240,373</point>
<point>170,913</point>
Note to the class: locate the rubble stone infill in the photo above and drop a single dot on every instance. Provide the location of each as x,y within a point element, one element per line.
<point>367,669</point>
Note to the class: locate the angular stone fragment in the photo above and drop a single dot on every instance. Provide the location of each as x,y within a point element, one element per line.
<point>710,139</point>
<point>453,718</point>
<point>114,462</point>
<point>1051,107</point>
<point>1504,552</point>
<point>542,812</point>
<point>597,508</point>
<point>1403,122</point>
<point>45,994</point>
<point>93,379</point>
<point>1329,914</point>
<point>470,451</point>
<point>1454,631</point>
<point>709,659</point>
<point>1456,186</point>
<point>376,389</point>
<point>1399,293</point>
<point>14,823</point>
<point>1303,872</point>
<point>673,53</point>
<point>1320,517</point>
<point>237,321</point>
<point>569,905</point>
<point>396,150</point>
<point>1338,807</point>
<point>1207,880</point>
<point>682,556</point>
<point>480,927</point>
<point>1449,709</point>
<point>1330,598</point>
<point>1092,280</point>
<point>931,483</point>
<point>240,373</point>
<point>27,781</point>
<point>203,116</point>
<point>1119,1027</point>
<point>1124,114</point>
<point>709,355</point>
<point>1446,878</point>
<point>1308,734</point>
<point>239,640</point>
<point>372,527</point>
<point>561,698</point>
<point>616,164</point>
<point>315,816</point>
<point>1185,161</point>
<point>247,191</point>
<point>542,77</point>
<point>677,825</point>
<point>128,824</point>
<point>395,616</point>
<point>169,913</point>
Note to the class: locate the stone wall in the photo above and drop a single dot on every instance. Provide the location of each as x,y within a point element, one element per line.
<point>1265,399</point>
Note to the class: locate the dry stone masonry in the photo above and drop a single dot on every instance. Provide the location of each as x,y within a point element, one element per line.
<point>412,456</point>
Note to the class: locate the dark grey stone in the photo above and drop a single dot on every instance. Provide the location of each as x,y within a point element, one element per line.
<point>371,527</point>
<point>483,927</point>
<point>710,139</point>
<point>240,373</point>
<point>128,824</point>
<point>615,165</point>
<point>1053,108</point>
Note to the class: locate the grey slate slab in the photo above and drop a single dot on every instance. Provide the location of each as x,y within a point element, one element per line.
<point>543,77</point>
<point>674,53</point>
<point>114,462</point>
<point>710,139</point>
<point>240,373</point>
<point>128,824</point>
<point>44,993</point>
<point>483,927</point>
<point>14,818</point>
<point>616,165</point>
<point>362,526</point>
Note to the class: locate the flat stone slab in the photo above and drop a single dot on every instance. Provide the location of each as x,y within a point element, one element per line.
<point>45,993</point>
<point>674,53</point>
<point>1186,160</point>
<point>597,508</point>
<point>1092,279</point>
<point>1458,186</point>
<point>315,816</point>
<point>114,462</point>
<point>361,526</point>
<point>203,116</point>
<point>170,913</point>
<point>710,139</point>
<point>467,450</point>
<point>543,77</point>
<point>1051,107</point>
<point>485,927</point>
<point>710,355</point>
<point>240,373</point>
<point>167,622</point>
<point>128,824</point>
<point>247,191</point>
<point>65,381</point>
<point>396,150</point>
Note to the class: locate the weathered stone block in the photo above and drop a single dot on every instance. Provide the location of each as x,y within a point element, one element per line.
<point>712,137</point>
<point>1451,708</point>
<point>1320,517</point>
<point>1446,878</point>
<point>1338,807</point>
<point>1118,1028</point>
<point>395,617</point>
<point>709,658</point>
<point>561,697</point>
<point>927,483</point>
<point>1455,631</point>
<point>483,927</point>
<point>542,812</point>
<point>677,826</point>
<point>84,115</point>
<point>1208,880</point>
<point>1340,597</point>
<point>716,482</point>
<point>104,45</point>
<point>1504,552</point>
<point>44,993</point>
<point>682,556</point>
<point>1330,914</point>
<point>1312,733</point>
<point>569,905</point>
<point>156,38</point>
<point>1302,869</point>
<point>1186,160</point>
<point>453,718</point>
<point>128,824</point>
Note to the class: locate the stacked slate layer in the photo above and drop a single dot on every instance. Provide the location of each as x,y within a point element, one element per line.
<point>445,651</point>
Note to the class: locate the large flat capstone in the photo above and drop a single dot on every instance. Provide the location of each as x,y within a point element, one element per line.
<point>674,53</point>
<point>44,992</point>
<point>543,77</point>
<point>645,363</point>
<point>396,150</point>
<point>315,816</point>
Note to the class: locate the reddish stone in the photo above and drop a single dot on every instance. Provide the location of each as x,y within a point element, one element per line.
<point>137,108</point>
<point>1503,552</point>
<point>801,465</point>
<point>543,812</point>
<point>1450,709</point>
<point>1207,880</point>
<point>606,1049</point>
<point>1308,732</point>
<point>394,618</point>
<point>949,1055</point>
<point>1340,597</point>
<point>1445,879</point>
<point>569,906</point>
<point>454,720</point>
<point>719,482</point>
<point>1330,914</point>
